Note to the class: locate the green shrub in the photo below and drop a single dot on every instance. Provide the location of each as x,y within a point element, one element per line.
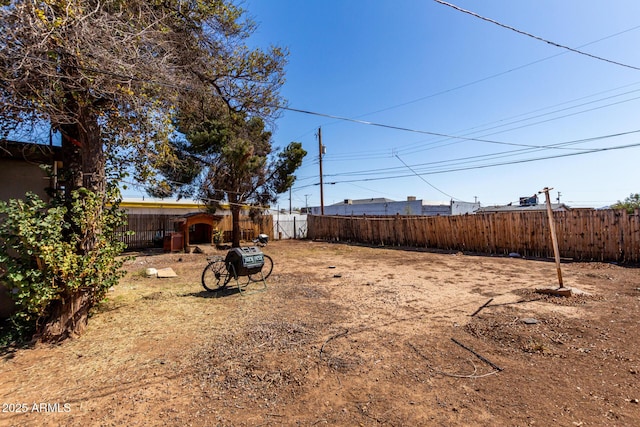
<point>49,251</point>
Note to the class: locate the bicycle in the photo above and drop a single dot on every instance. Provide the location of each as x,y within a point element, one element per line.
<point>261,240</point>
<point>219,271</point>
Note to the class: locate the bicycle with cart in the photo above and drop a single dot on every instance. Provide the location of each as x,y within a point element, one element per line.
<point>248,263</point>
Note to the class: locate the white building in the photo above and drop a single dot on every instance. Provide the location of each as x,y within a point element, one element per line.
<point>383,206</point>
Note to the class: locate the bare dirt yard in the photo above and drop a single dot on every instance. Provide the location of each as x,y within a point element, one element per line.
<point>344,335</point>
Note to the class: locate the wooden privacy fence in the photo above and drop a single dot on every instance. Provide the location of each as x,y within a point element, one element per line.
<point>150,229</point>
<point>250,228</point>
<point>585,235</point>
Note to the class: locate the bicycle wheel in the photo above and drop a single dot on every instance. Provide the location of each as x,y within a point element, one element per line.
<point>267,268</point>
<point>215,275</point>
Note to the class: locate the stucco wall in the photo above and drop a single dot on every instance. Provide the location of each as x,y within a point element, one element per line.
<point>17,177</point>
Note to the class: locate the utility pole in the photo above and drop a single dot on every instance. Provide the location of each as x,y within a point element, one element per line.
<point>289,200</point>
<point>306,202</point>
<point>321,151</point>
<point>554,238</point>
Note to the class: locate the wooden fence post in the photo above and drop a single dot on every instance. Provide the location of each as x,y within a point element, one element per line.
<point>554,239</point>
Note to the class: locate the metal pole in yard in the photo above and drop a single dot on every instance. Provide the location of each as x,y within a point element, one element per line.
<point>321,150</point>
<point>554,238</point>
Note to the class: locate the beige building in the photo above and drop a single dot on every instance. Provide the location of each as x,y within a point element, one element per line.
<point>21,169</point>
<point>21,172</point>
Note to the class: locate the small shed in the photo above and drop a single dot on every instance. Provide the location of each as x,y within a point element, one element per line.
<point>196,228</point>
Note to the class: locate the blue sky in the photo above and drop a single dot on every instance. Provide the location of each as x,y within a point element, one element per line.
<point>427,68</point>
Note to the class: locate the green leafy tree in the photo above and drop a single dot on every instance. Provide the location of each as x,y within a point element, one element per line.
<point>230,160</point>
<point>630,204</point>
<point>109,75</point>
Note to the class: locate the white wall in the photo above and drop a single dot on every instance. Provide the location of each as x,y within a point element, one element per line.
<point>405,207</point>
<point>462,208</point>
<point>289,226</point>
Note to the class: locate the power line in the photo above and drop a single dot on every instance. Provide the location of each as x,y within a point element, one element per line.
<point>423,179</point>
<point>432,145</point>
<point>522,126</point>
<point>363,122</point>
<point>442,92</point>
<point>408,150</point>
<point>563,109</point>
<point>534,36</point>
<point>376,191</point>
<point>558,145</point>
<point>620,147</point>
<point>385,153</point>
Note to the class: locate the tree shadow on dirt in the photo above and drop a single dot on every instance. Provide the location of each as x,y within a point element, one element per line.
<point>14,337</point>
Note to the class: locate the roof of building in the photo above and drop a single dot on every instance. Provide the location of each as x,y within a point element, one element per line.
<point>142,202</point>
<point>31,152</point>
<point>518,208</point>
<point>385,200</point>
<point>363,201</point>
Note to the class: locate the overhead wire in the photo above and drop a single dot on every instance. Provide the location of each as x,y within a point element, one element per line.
<point>386,152</point>
<point>570,49</point>
<point>460,137</point>
<point>621,147</point>
<point>424,180</point>
<point>429,143</point>
<point>442,92</point>
<point>451,162</point>
<point>482,166</point>
<point>466,137</point>
<point>375,191</point>
<point>433,143</point>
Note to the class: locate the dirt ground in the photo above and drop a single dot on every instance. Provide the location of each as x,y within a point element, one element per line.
<point>344,335</point>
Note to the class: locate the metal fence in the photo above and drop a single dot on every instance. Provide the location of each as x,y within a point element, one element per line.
<point>289,226</point>
<point>148,230</point>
